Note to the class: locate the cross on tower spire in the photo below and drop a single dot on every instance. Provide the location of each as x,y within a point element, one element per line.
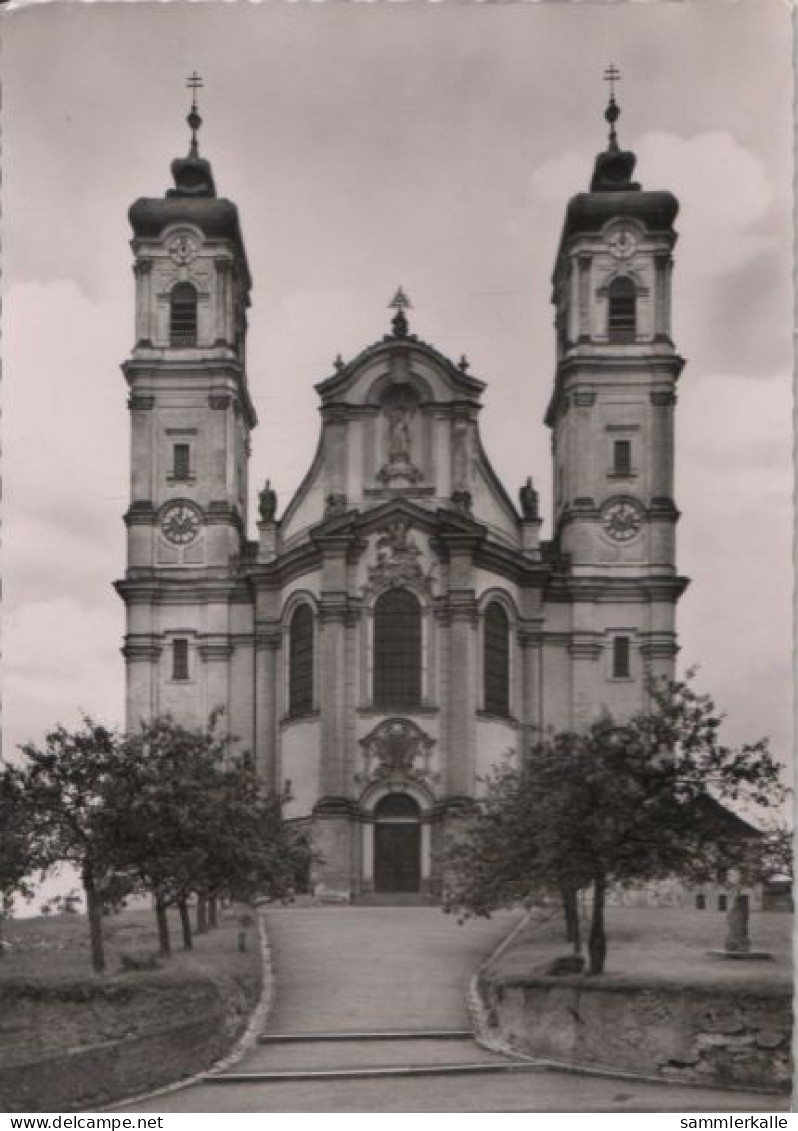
<point>194,83</point>
<point>612,113</point>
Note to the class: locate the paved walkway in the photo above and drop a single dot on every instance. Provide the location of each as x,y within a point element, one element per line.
<point>347,971</point>
<point>375,967</point>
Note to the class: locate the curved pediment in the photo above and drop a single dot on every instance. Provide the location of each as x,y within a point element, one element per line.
<point>399,360</point>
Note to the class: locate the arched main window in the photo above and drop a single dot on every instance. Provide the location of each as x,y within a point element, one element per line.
<point>496,660</point>
<point>300,662</point>
<point>183,315</point>
<point>397,650</point>
<point>622,312</point>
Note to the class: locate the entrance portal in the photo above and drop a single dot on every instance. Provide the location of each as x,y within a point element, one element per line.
<point>397,844</point>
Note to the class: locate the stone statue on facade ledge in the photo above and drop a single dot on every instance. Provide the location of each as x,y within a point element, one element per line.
<point>335,503</point>
<point>528,498</point>
<point>267,503</point>
<point>462,501</point>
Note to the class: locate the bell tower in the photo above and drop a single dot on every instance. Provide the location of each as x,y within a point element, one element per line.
<point>191,417</point>
<point>611,415</point>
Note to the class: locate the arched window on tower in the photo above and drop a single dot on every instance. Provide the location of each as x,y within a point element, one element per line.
<point>397,650</point>
<point>496,660</point>
<point>300,662</point>
<point>183,315</point>
<point>622,310</point>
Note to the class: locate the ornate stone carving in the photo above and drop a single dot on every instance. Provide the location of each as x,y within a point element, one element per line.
<point>396,749</point>
<point>462,458</point>
<point>397,558</point>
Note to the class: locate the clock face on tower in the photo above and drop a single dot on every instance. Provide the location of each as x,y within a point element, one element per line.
<point>182,247</point>
<point>180,523</point>
<point>622,243</point>
<point>622,519</point>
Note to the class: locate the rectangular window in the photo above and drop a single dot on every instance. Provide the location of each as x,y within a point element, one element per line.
<point>722,903</point>
<point>180,467</point>
<point>700,903</point>
<point>621,657</point>
<point>180,659</point>
<point>622,457</point>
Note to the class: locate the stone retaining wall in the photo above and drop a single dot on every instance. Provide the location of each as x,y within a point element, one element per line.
<point>157,1031</point>
<point>731,1035</point>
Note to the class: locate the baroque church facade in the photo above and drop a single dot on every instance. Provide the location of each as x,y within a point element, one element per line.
<point>400,626</point>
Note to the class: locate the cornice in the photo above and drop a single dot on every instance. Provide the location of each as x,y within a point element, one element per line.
<point>140,513</point>
<point>598,589</point>
<point>142,647</point>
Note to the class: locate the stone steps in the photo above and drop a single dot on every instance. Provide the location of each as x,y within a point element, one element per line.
<point>350,1054</point>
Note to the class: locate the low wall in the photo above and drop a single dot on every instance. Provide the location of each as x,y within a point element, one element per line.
<point>726,1034</point>
<point>156,1030</point>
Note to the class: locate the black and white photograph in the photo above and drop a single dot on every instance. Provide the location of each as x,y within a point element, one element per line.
<point>397,558</point>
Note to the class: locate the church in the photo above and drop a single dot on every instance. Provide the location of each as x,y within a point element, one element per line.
<point>399,626</point>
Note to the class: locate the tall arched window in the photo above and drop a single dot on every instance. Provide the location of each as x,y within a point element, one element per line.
<point>300,662</point>
<point>397,650</point>
<point>183,315</point>
<point>496,660</point>
<point>622,316</point>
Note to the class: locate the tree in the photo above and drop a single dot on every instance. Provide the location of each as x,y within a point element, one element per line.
<point>615,804</point>
<point>198,822</point>
<point>67,788</point>
<point>18,857</point>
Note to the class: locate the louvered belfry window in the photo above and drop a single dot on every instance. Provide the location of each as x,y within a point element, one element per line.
<point>183,315</point>
<point>622,315</point>
<point>181,468</point>
<point>397,650</point>
<point>497,660</point>
<point>180,659</point>
<point>621,657</point>
<point>622,457</point>
<point>300,662</point>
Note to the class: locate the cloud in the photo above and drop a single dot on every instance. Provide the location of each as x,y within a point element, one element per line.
<point>724,191</point>
<point>734,485</point>
<point>65,488</point>
<point>60,660</point>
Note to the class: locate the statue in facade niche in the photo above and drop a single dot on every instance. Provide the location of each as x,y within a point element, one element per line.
<point>398,414</point>
<point>267,502</point>
<point>399,408</point>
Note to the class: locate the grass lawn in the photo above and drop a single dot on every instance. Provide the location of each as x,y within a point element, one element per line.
<point>56,947</point>
<point>660,944</point>
<point>51,1001</point>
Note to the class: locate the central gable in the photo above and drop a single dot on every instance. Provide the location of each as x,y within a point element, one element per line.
<point>400,421</point>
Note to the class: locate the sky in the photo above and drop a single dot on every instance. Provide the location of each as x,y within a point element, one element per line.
<point>367,145</point>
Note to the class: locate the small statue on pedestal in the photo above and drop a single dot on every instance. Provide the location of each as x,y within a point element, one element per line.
<point>528,498</point>
<point>267,503</point>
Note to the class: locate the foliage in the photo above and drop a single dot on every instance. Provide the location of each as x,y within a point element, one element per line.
<point>166,810</point>
<point>67,790</point>
<point>18,857</point>
<point>197,821</point>
<point>615,804</point>
<point>777,852</point>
